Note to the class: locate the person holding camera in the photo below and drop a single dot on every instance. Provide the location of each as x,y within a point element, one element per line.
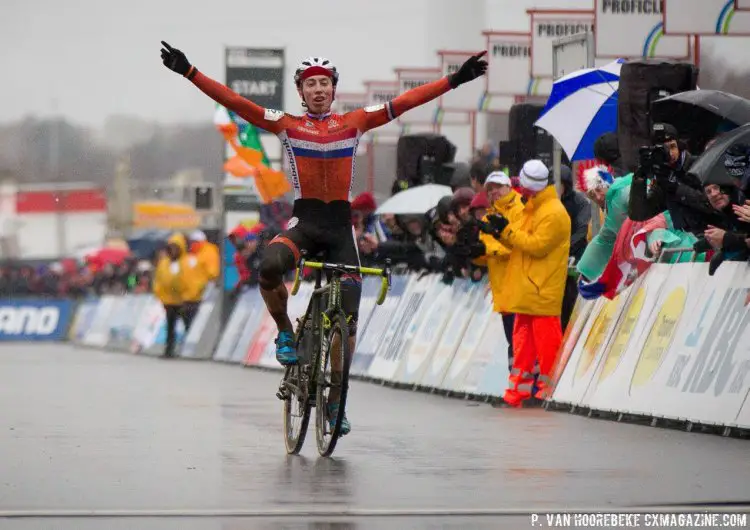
<point>662,183</point>
<point>537,269</point>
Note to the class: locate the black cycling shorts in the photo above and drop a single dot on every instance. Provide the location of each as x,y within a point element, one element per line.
<point>315,228</point>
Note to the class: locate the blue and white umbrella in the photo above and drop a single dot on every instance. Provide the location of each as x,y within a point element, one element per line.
<point>582,107</point>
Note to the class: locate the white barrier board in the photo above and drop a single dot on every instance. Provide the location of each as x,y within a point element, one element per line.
<point>644,294</point>
<point>390,351</point>
<point>581,364</point>
<point>85,315</point>
<point>98,333</point>
<point>368,342</point>
<point>455,377</point>
<point>488,372</point>
<point>235,326</point>
<point>466,296</point>
<point>257,312</point>
<point>416,359</point>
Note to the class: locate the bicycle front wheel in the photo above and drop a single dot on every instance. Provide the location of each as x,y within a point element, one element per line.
<point>333,384</point>
<point>297,403</point>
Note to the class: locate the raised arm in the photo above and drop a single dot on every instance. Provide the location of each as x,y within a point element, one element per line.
<point>267,119</point>
<point>372,117</point>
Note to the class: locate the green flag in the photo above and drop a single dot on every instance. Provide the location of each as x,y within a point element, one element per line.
<point>250,138</point>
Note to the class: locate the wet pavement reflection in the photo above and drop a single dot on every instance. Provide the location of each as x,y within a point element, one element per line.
<point>89,430</point>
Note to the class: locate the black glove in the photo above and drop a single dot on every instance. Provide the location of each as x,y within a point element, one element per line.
<point>667,180</point>
<point>477,250</point>
<point>175,60</point>
<point>474,67</point>
<point>498,222</point>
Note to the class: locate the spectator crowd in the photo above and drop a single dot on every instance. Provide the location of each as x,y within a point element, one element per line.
<point>536,245</point>
<point>538,249</point>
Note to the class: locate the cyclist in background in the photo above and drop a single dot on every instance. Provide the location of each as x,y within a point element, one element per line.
<point>320,147</point>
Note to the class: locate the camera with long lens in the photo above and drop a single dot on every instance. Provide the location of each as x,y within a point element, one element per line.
<point>654,157</point>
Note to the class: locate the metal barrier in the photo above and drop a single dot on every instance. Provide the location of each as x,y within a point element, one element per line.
<point>679,251</point>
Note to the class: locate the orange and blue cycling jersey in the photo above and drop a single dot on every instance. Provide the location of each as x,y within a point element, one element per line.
<point>321,150</point>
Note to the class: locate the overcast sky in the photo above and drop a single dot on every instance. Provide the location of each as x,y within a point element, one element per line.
<point>95,58</point>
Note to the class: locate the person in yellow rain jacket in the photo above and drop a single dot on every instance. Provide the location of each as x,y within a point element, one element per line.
<point>201,268</point>
<point>168,286</point>
<point>505,201</point>
<point>535,282</point>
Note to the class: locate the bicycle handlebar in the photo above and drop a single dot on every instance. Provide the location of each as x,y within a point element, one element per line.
<point>384,273</point>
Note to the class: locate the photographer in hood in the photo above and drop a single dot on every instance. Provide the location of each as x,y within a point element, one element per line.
<point>662,182</point>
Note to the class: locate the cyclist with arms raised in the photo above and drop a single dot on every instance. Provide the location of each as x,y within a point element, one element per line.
<point>321,149</point>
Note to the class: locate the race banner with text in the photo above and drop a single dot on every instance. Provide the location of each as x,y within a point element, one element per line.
<point>349,102</point>
<point>547,26</point>
<point>380,93</point>
<point>455,105</point>
<point>409,78</point>
<point>509,63</point>
<point>629,28</point>
<point>257,74</point>
<point>35,319</point>
<point>705,17</point>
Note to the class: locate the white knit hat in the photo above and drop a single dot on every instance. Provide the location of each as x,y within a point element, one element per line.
<point>498,177</point>
<point>534,175</point>
<point>197,235</point>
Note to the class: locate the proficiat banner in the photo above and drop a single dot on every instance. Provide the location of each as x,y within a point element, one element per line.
<point>509,64</point>
<point>257,74</point>
<point>705,17</point>
<point>625,29</point>
<point>349,102</point>
<point>546,28</point>
<point>380,93</point>
<point>468,98</point>
<point>409,78</point>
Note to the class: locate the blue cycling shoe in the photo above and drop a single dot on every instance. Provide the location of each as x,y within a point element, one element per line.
<point>286,353</point>
<point>333,412</point>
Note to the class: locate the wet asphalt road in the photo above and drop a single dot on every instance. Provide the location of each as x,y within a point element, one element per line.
<point>165,444</point>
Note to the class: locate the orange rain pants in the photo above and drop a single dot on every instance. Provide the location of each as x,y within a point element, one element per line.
<point>534,338</point>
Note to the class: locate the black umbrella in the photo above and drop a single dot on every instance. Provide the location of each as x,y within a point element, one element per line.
<point>709,168</point>
<point>704,104</point>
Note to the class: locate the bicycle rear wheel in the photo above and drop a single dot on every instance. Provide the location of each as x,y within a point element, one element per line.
<point>297,403</point>
<point>330,383</point>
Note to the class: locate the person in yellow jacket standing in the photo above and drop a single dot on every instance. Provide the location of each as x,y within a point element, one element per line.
<point>506,202</point>
<point>201,268</point>
<point>168,287</point>
<point>534,282</point>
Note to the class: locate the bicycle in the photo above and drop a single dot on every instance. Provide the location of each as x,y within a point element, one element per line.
<point>322,341</point>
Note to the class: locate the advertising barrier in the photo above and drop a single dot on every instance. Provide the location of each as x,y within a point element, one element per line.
<point>36,320</point>
<point>82,320</point>
<point>235,326</point>
<point>675,345</point>
<point>204,332</point>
